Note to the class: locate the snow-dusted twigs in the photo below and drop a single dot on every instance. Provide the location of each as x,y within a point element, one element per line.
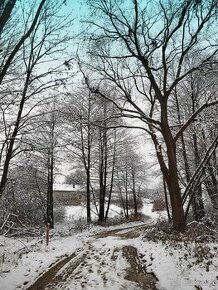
<point>12,226</point>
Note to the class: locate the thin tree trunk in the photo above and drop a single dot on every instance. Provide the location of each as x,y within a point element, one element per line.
<point>103,167</point>
<point>197,201</point>
<point>121,195</point>
<point>211,185</point>
<point>9,153</point>
<point>112,176</point>
<point>199,171</point>
<point>21,41</point>
<point>6,13</point>
<point>88,195</point>
<point>184,153</point>
<point>50,215</point>
<point>211,182</point>
<point>126,190</point>
<point>50,201</point>
<point>101,180</point>
<point>134,195</point>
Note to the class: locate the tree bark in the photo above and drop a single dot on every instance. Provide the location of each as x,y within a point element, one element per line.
<point>172,179</point>
<point>166,200</point>
<point>9,153</point>
<point>126,189</point>
<point>211,182</point>
<point>197,201</point>
<point>50,201</point>
<point>88,195</point>
<point>102,175</point>
<point>112,176</point>
<point>21,42</point>
<point>134,195</point>
<point>6,13</point>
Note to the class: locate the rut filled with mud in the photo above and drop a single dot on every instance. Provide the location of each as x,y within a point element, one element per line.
<point>51,277</point>
<point>93,266</point>
<point>136,272</point>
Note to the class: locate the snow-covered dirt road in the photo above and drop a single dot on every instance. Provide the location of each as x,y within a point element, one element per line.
<point>107,261</point>
<point>114,258</point>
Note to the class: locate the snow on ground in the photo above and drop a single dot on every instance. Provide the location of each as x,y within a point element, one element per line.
<point>101,271</point>
<point>177,267</point>
<point>154,215</point>
<point>23,260</point>
<point>79,212</point>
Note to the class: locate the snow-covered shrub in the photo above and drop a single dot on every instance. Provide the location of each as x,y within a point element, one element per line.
<point>25,195</point>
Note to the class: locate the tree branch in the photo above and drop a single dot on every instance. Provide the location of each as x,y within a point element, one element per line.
<point>192,119</point>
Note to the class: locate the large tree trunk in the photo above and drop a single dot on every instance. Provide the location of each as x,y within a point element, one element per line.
<point>171,177</point>
<point>166,200</point>
<point>178,216</point>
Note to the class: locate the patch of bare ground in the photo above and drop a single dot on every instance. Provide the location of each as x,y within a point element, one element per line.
<point>136,272</point>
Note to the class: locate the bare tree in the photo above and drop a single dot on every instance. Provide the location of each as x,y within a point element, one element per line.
<point>78,114</point>
<point>141,52</point>
<point>199,88</point>
<point>5,13</point>
<point>31,81</point>
<point>26,34</point>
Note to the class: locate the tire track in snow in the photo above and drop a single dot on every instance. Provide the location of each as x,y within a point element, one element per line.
<point>99,266</point>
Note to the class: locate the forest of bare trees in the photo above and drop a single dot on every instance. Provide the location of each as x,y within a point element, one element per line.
<point>137,73</point>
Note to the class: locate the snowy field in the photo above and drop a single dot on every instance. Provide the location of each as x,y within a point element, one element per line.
<point>79,212</point>
<point>179,266</point>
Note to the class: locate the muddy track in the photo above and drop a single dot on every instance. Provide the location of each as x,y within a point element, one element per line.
<point>80,270</point>
<point>51,278</point>
<point>136,272</point>
<point>128,232</point>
